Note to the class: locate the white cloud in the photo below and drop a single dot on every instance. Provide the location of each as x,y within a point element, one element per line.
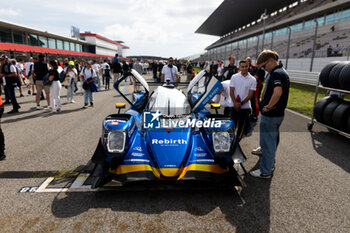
<point>9,13</point>
<point>150,27</point>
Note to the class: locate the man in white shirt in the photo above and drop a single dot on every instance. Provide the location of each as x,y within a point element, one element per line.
<point>28,67</point>
<point>242,88</point>
<point>88,75</point>
<point>169,72</point>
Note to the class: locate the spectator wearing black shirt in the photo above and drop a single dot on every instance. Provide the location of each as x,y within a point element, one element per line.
<point>39,71</point>
<point>55,87</point>
<point>8,71</point>
<point>212,68</point>
<point>189,70</point>
<point>2,138</point>
<point>273,104</point>
<point>255,100</point>
<point>231,69</point>
<point>126,68</point>
<point>160,68</point>
<point>116,68</point>
<point>154,69</point>
<point>329,51</point>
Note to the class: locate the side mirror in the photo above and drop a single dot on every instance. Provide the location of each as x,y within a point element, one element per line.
<point>119,106</point>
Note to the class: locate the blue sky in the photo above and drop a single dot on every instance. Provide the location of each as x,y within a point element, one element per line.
<point>148,27</point>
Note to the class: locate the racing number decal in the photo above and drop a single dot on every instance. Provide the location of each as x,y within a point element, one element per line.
<point>28,189</point>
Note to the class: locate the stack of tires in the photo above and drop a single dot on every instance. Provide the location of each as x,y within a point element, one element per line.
<point>336,75</point>
<point>334,111</point>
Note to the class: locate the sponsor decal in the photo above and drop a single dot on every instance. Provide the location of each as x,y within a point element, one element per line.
<point>202,160</point>
<point>200,155</point>
<point>136,154</point>
<point>114,123</point>
<point>198,149</point>
<point>137,148</point>
<point>169,142</point>
<point>152,120</point>
<point>136,160</point>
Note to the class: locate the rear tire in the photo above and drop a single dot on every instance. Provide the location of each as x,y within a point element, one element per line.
<point>320,106</point>
<point>329,110</point>
<point>324,75</point>
<point>341,115</point>
<point>333,78</point>
<point>344,78</point>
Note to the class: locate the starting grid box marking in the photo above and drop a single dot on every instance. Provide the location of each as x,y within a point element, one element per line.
<point>76,186</point>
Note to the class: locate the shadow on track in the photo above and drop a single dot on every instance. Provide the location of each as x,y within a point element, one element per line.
<point>248,212</point>
<point>333,147</point>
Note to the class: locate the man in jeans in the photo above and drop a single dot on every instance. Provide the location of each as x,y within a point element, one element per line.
<point>87,75</point>
<point>273,104</point>
<point>40,69</point>
<point>8,71</point>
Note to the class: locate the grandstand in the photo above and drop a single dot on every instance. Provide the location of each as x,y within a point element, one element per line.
<point>243,32</point>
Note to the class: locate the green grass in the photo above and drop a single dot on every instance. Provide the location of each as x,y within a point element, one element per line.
<point>301,98</point>
<point>197,69</point>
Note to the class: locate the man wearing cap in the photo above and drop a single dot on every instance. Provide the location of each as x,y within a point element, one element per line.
<point>8,71</point>
<point>88,75</point>
<point>273,103</point>
<point>169,72</point>
<point>71,73</point>
<point>40,69</point>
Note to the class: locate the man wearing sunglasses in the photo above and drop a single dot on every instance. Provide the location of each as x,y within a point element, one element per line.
<point>273,103</point>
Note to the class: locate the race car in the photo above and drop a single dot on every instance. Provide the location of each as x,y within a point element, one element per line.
<point>167,137</point>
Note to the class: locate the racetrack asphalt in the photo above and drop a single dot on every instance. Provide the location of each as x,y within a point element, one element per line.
<point>309,192</point>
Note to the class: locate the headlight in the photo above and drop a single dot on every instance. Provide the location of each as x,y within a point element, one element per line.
<point>222,141</point>
<point>116,141</point>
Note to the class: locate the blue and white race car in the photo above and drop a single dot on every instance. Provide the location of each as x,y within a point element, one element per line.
<point>167,137</point>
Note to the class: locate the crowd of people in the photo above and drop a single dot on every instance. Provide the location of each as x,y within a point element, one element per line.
<point>44,79</point>
<point>242,89</point>
<point>244,99</point>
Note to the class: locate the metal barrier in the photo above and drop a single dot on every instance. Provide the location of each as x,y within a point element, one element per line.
<point>303,77</point>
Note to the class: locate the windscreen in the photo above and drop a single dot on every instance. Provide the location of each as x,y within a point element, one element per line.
<point>170,102</point>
